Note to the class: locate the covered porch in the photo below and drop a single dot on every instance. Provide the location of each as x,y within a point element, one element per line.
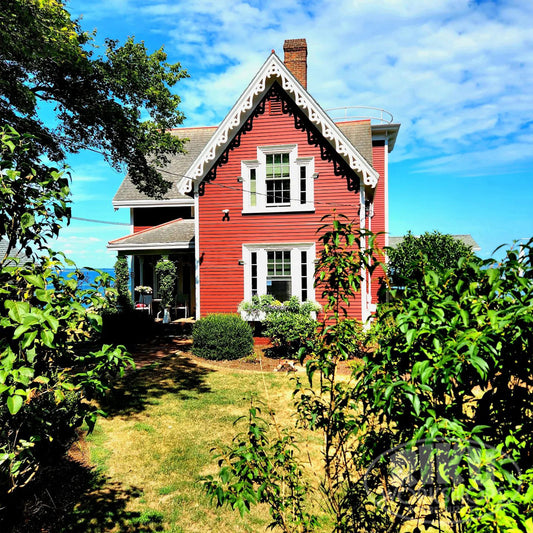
<point>173,240</point>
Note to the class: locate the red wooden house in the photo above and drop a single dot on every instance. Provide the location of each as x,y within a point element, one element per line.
<point>249,195</point>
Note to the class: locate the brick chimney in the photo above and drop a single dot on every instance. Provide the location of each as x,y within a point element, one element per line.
<point>296,59</point>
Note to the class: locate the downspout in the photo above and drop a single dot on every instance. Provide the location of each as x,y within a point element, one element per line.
<point>197,250</point>
<point>362,244</point>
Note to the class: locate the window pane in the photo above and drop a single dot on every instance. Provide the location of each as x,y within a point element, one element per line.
<point>253,187</point>
<point>303,185</point>
<point>280,289</point>
<point>254,273</point>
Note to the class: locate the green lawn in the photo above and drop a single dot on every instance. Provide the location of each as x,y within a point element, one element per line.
<point>156,443</point>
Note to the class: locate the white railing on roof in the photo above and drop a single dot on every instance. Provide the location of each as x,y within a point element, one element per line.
<point>359,112</point>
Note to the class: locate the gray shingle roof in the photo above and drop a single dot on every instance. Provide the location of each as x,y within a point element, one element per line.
<point>177,168</point>
<point>465,239</point>
<point>359,133</point>
<point>176,234</point>
<point>20,255</point>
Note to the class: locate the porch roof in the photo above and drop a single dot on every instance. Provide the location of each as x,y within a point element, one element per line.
<point>174,235</point>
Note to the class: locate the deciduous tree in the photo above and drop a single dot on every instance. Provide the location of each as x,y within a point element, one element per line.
<point>430,251</point>
<point>58,86</point>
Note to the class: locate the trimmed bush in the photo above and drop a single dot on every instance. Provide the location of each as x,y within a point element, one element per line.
<point>222,337</point>
<point>288,332</point>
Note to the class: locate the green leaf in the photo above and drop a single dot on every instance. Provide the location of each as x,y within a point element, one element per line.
<point>17,310</point>
<point>47,337</point>
<point>27,220</point>
<point>14,403</point>
<point>36,281</point>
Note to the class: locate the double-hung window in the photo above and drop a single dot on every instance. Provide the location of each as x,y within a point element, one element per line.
<point>281,270</point>
<point>278,181</point>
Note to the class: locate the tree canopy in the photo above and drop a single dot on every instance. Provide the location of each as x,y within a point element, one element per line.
<point>413,255</point>
<point>59,87</point>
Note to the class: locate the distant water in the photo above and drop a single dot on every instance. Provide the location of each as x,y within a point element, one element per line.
<point>88,275</point>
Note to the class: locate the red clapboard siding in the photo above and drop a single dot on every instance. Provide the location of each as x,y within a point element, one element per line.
<point>378,220</point>
<point>221,276</point>
<point>136,229</point>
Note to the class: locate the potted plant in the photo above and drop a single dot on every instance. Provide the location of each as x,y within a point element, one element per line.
<point>143,290</point>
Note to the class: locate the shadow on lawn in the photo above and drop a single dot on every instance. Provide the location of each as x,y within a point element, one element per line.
<point>71,497</point>
<point>172,374</point>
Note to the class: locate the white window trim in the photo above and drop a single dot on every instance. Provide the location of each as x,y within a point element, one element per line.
<point>296,267</point>
<point>295,163</point>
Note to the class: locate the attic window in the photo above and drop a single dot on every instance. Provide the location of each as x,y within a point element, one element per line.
<point>275,105</point>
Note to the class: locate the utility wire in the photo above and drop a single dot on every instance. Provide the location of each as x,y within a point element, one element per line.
<point>100,221</point>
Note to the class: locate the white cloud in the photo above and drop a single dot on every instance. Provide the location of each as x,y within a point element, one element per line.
<point>457,74</point>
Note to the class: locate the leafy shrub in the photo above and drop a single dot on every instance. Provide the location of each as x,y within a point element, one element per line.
<point>222,337</point>
<point>416,255</point>
<point>166,273</point>
<point>122,281</point>
<point>49,366</point>
<point>288,332</point>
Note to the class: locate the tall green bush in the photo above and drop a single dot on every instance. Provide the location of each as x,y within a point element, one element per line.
<point>222,337</point>
<point>166,273</point>
<point>433,251</point>
<point>122,283</point>
<point>288,332</point>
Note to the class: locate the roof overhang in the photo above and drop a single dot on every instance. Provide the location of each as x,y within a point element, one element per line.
<point>386,131</point>
<point>124,247</point>
<point>274,70</point>
<point>178,202</point>
<point>173,235</point>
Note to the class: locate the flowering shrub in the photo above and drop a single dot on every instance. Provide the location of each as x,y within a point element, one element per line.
<point>265,304</point>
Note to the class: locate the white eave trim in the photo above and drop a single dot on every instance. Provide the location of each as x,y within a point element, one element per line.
<point>154,203</point>
<point>186,245</point>
<point>274,70</point>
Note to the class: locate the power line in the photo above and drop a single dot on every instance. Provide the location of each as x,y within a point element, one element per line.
<point>101,221</point>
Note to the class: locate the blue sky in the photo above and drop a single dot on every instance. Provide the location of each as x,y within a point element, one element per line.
<point>457,75</point>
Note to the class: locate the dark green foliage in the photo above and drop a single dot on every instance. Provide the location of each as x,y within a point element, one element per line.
<point>414,256</point>
<point>166,273</point>
<point>122,283</point>
<point>457,365</point>
<point>50,363</point>
<point>34,199</point>
<point>288,332</point>
<point>100,97</point>
<point>434,429</point>
<point>222,337</point>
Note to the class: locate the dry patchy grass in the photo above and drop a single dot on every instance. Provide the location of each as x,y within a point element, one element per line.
<point>156,443</point>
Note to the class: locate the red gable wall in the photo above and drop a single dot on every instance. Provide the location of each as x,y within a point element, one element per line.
<point>220,242</point>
